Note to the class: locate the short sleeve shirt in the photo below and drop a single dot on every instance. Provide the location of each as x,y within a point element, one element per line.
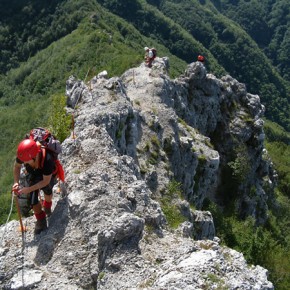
<point>48,166</point>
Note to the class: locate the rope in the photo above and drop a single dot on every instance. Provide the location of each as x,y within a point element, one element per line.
<point>23,235</point>
<point>87,75</point>
<point>9,215</point>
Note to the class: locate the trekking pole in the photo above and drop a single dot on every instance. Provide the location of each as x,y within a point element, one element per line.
<point>22,228</point>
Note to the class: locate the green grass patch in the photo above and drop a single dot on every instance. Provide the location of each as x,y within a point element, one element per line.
<point>170,210</point>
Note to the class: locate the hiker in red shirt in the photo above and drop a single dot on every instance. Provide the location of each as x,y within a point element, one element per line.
<point>41,169</point>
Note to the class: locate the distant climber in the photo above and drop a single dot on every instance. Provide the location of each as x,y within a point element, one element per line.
<point>150,55</point>
<point>41,172</point>
<point>201,58</point>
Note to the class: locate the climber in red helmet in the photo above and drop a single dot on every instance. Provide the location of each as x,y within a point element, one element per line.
<point>201,58</point>
<point>40,175</point>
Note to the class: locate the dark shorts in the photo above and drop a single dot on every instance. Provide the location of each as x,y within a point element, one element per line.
<point>33,196</point>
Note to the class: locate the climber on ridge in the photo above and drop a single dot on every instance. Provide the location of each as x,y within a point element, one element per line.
<point>150,55</point>
<point>201,58</point>
<point>40,175</point>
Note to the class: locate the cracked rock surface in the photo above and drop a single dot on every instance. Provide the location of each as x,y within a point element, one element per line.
<point>133,135</point>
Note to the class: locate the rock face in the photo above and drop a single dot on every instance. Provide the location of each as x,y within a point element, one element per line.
<point>147,150</point>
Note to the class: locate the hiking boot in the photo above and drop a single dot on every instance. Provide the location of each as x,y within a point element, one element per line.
<point>40,226</point>
<point>47,210</point>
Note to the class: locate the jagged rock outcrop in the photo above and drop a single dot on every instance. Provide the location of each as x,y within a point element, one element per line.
<point>143,142</point>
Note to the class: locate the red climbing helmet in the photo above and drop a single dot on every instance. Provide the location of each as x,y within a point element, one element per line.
<point>201,58</point>
<point>27,150</point>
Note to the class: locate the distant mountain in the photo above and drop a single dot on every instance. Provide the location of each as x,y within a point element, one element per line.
<point>268,23</point>
<point>254,49</point>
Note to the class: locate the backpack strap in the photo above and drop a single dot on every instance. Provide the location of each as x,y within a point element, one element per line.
<point>58,167</point>
<point>43,155</point>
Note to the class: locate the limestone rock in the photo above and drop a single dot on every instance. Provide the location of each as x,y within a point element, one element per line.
<point>137,135</point>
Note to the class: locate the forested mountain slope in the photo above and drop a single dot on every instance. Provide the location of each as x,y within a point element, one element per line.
<point>45,42</point>
<point>86,50</point>
<point>232,47</point>
<point>268,23</point>
<point>186,28</point>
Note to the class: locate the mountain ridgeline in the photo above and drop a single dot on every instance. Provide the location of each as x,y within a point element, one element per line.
<point>182,151</point>
<point>185,29</point>
<point>63,38</point>
<point>147,157</point>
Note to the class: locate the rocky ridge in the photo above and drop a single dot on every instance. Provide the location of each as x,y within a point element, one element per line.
<point>136,135</point>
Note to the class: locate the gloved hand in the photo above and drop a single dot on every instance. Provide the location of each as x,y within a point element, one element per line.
<point>15,188</point>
